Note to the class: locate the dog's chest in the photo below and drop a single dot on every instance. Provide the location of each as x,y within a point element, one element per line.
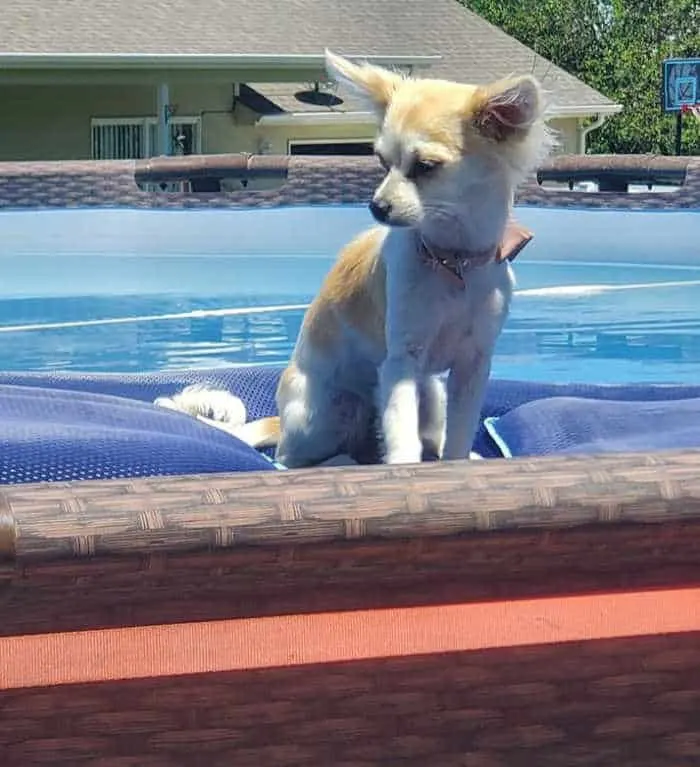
<point>454,321</point>
<point>444,346</point>
<point>449,327</point>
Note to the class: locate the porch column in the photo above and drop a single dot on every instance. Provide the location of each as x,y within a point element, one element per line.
<point>164,138</point>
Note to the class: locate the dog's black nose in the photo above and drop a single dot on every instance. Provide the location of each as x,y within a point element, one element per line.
<point>380,209</point>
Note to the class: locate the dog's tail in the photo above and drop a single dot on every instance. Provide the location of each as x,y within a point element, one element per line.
<point>265,432</point>
<point>226,412</point>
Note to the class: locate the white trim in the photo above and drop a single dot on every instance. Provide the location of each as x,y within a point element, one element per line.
<point>583,110</point>
<point>369,118</point>
<point>189,60</point>
<point>491,426</point>
<point>116,120</point>
<point>317,118</point>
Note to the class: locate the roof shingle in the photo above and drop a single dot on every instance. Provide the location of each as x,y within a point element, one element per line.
<point>472,50</point>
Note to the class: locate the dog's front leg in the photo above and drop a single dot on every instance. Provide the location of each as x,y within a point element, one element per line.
<point>466,389</point>
<point>406,338</point>
<point>399,400</point>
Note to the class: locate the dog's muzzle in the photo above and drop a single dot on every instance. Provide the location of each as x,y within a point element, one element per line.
<point>382,212</point>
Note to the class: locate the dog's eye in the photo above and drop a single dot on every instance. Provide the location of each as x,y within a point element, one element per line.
<point>422,168</point>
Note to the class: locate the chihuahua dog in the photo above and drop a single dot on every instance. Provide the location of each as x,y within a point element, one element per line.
<point>424,293</point>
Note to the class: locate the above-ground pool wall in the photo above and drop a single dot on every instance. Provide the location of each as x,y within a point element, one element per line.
<point>482,614</point>
<point>572,224</point>
<point>575,234</point>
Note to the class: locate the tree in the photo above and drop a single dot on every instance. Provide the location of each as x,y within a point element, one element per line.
<point>617,47</point>
<point>563,31</point>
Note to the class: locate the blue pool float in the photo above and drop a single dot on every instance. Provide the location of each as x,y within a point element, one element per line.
<point>73,426</point>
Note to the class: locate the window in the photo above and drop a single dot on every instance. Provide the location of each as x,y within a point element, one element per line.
<point>137,138</point>
<point>341,147</point>
<point>118,140</point>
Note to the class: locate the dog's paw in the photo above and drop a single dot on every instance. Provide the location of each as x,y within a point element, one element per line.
<point>404,455</point>
<point>203,402</point>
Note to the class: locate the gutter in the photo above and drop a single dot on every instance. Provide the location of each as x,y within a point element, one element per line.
<point>121,61</point>
<point>583,132</point>
<point>584,110</point>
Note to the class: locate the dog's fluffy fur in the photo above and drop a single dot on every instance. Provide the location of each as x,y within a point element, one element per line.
<point>385,323</point>
<point>364,376</point>
<point>224,411</point>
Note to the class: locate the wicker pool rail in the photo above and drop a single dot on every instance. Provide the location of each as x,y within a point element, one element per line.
<point>225,181</point>
<point>479,614</point>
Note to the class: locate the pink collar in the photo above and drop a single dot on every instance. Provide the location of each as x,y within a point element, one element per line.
<point>456,263</point>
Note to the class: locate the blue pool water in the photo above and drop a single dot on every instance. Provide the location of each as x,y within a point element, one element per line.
<point>123,291</point>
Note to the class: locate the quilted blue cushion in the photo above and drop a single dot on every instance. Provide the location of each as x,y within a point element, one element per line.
<point>565,425</point>
<point>57,435</point>
<point>94,425</point>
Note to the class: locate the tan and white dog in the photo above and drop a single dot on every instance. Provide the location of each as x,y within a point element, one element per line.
<point>425,292</point>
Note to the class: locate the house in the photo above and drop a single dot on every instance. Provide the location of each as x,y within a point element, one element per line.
<point>121,79</point>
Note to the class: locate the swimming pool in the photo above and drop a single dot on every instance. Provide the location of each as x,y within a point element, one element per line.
<point>603,296</point>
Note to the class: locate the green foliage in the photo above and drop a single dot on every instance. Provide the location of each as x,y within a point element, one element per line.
<point>617,47</point>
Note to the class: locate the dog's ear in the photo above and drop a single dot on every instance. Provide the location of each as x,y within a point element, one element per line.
<point>374,83</point>
<point>507,108</point>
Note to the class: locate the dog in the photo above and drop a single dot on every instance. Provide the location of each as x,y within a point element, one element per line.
<point>423,293</point>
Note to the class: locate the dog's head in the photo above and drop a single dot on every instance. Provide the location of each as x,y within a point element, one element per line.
<point>447,147</point>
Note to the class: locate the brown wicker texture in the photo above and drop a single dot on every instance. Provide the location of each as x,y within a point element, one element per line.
<point>315,180</point>
<point>491,529</point>
<point>105,555</point>
<point>164,584</point>
<point>181,514</point>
